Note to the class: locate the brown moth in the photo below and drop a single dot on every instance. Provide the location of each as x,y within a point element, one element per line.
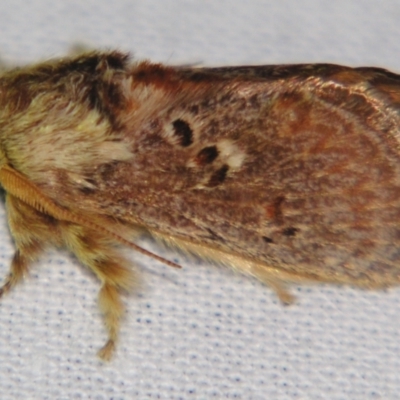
<point>288,173</point>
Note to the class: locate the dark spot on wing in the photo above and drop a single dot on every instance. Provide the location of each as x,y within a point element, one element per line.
<point>207,155</point>
<point>183,132</point>
<point>290,231</point>
<point>218,176</point>
<point>267,239</point>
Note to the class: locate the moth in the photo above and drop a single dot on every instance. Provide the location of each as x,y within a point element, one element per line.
<point>288,173</point>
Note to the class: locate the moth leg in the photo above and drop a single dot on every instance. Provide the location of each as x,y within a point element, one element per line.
<point>276,283</point>
<point>31,231</point>
<point>99,253</point>
<point>281,291</point>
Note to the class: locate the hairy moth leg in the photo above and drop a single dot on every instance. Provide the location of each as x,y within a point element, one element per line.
<point>32,231</point>
<point>97,251</point>
<point>278,286</point>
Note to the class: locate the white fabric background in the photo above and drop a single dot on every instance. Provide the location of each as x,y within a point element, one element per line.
<point>202,332</point>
